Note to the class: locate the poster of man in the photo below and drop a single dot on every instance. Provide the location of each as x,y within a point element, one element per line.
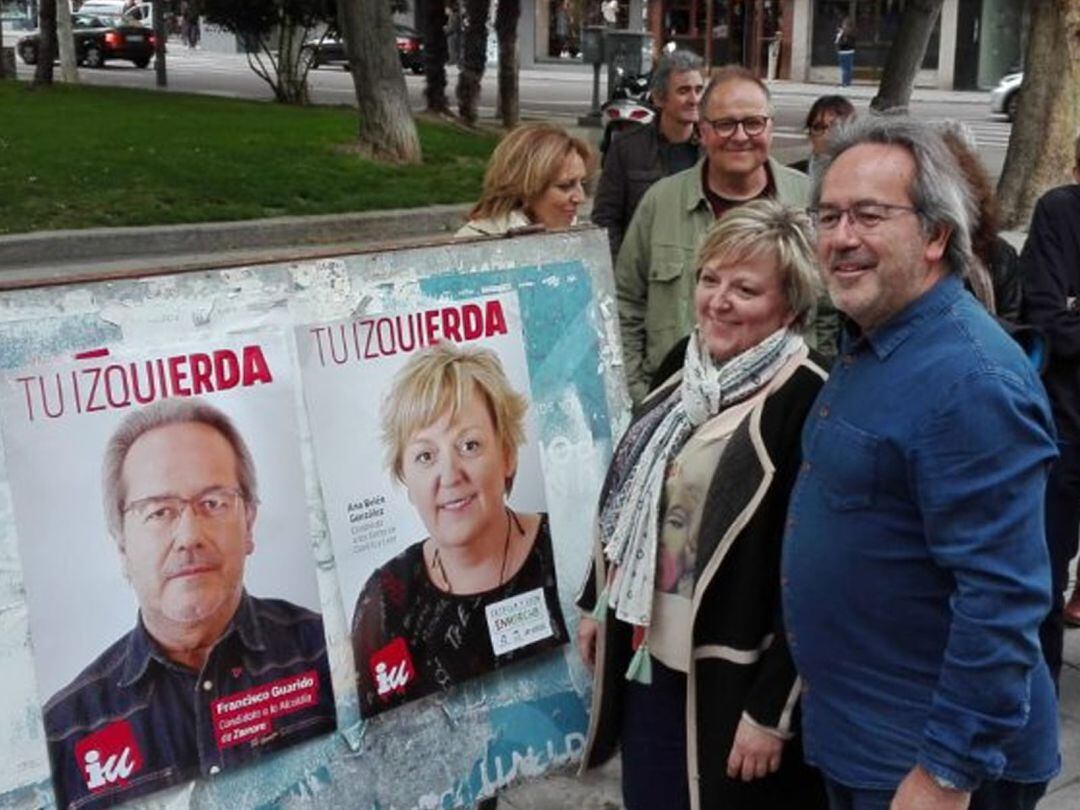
<point>162,522</point>
<point>427,455</point>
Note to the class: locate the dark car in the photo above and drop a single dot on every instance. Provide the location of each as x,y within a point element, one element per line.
<point>331,50</point>
<point>98,38</point>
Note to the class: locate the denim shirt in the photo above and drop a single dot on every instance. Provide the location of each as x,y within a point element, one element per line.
<point>135,722</point>
<point>915,567</point>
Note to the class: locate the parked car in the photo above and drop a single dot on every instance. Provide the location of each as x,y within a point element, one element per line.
<point>331,50</point>
<point>139,13</point>
<point>1004,97</point>
<point>99,38</point>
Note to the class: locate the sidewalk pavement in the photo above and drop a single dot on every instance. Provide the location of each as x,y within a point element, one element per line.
<point>865,90</point>
<point>599,790</point>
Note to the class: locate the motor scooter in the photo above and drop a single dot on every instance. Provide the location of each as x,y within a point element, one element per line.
<point>628,108</point>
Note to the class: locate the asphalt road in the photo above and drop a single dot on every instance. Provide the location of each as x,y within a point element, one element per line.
<point>562,92</point>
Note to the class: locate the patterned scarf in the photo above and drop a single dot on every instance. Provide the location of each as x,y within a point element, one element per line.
<point>630,516</point>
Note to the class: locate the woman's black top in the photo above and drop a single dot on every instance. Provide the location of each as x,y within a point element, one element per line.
<point>410,638</point>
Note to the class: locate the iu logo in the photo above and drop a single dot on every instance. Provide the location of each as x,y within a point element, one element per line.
<point>392,668</point>
<point>107,758</point>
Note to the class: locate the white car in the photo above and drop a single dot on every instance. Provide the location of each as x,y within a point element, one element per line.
<point>1004,97</point>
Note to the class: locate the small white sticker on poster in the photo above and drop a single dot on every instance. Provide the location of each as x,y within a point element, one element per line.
<point>518,621</point>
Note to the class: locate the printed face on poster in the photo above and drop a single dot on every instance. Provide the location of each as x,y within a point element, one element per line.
<point>161,514</point>
<point>428,457</point>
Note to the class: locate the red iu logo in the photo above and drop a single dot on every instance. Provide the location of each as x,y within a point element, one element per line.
<point>107,758</point>
<point>392,668</point>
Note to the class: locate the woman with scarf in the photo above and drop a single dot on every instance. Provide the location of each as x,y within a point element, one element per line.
<point>692,673</point>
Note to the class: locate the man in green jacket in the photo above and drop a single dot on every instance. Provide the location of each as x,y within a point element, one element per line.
<point>654,273</point>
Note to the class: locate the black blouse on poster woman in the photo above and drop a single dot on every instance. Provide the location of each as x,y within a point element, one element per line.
<point>446,634</point>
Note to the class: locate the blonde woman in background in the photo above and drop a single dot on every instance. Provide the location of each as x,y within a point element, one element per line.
<point>537,175</point>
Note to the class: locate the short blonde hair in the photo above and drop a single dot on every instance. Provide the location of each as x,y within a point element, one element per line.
<point>524,164</point>
<point>439,379</point>
<point>764,226</point>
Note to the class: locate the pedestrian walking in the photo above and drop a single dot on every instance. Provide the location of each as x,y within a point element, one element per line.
<point>845,50</point>
<point>453,32</point>
<point>189,13</point>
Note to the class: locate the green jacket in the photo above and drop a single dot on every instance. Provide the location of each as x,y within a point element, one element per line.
<point>654,273</point>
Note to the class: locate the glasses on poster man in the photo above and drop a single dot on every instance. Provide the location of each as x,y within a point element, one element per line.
<point>161,513</point>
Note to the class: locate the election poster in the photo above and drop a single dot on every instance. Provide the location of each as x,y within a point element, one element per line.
<point>426,445</point>
<point>161,514</point>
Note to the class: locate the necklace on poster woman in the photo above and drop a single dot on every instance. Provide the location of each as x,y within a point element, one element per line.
<point>512,523</point>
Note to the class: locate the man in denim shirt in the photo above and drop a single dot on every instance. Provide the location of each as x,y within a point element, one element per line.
<point>210,676</point>
<point>915,571</point>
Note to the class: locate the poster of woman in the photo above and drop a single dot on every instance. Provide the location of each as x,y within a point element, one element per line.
<point>426,453</point>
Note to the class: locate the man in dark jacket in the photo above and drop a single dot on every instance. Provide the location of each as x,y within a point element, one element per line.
<point>669,144</point>
<point>1050,270</point>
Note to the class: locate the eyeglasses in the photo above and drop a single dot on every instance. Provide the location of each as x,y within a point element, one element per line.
<point>819,128</point>
<point>863,216</point>
<point>160,514</point>
<point>752,125</point>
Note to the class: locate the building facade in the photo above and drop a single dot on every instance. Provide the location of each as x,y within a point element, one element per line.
<point>974,43</point>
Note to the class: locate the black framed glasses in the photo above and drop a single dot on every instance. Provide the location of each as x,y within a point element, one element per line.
<point>862,216</point>
<point>752,125</point>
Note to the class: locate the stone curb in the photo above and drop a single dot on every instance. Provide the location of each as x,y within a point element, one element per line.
<point>107,244</point>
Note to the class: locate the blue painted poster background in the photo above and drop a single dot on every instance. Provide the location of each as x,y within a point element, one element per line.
<point>442,751</point>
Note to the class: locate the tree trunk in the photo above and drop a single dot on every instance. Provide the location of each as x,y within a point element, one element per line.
<point>43,72</point>
<point>161,77</point>
<point>291,86</point>
<point>506,23</point>
<point>3,64</point>
<point>473,58</point>
<point>435,56</point>
<point>906,55</point>
<point>1048,116</point>
<point>65,41</point>
<point>387,130</point>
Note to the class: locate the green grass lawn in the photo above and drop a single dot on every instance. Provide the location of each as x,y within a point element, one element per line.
<point>81,157</point>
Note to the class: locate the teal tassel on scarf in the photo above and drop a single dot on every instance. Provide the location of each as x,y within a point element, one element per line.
<point>640,669</point>
<point>600,611</point>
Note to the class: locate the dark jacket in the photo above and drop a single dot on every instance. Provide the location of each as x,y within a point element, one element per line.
<point>634,162</point>
<point>1050,273</point>
<point>1004,270</point>
<point>741,662</point>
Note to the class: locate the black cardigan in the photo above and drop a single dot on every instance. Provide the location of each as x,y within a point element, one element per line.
<point>736,607</point>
